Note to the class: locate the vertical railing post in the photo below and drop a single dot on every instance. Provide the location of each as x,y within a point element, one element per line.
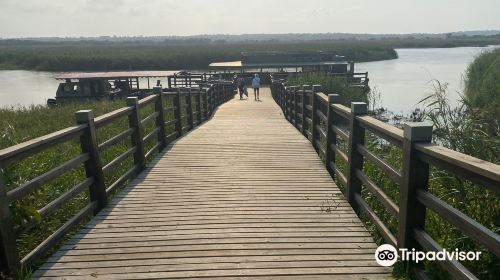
<point>215,89</point>
<point>415,176</point>
<point>177,113</point>
<point>160,120</point>
<point>331,137</point>
<point>9,258</point>
<point>278,95</point>
<point>224,90</point>
<point>134,121</point>
<point>93,166</point>
<point>205,102</point>
<point>224,93</point>
<point>287,104</point>
<point>189,101</point>
<point>282,98</point>
<point>355,159</point>
<point>209,101</point>
<point>212,99</point>
<point>314,116</point>
<point>304,110</point>
<point>220,95</point>
<point>295,107</point>
<point>198,106</point>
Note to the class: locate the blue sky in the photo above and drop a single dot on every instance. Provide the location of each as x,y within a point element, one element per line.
<point>39,18</point>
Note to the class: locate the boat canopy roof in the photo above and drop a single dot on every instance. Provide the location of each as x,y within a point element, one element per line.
<point>113,75</point>
<point>274,59</point>
<point>242,64</point>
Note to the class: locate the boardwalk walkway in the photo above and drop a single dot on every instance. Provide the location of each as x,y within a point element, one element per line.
<point>243,196</point>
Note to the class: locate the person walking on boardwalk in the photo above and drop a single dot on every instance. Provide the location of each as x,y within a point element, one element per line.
<point>240,83</point>
<point>256,86</point>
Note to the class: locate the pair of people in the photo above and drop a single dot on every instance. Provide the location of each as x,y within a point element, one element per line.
<point>242,88</point>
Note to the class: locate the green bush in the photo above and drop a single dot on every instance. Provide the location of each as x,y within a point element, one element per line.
<point>330,84</point>
<point>482,88</point>
<point>458,128</point>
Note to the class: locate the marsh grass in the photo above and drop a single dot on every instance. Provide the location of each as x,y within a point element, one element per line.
<point>330,84</point>
<point>482,89</point>
<point>91,56</point>
<point>20,124</point>
<point>459,128</point>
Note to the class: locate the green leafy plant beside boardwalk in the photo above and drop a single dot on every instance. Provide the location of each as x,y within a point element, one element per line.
<point>53,184</point>
<point>467,129</point>
<point>21,124</point>
<point>482,88</point>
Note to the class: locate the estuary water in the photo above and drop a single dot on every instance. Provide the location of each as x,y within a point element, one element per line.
<point>401,82</point>
<point>23,88</point>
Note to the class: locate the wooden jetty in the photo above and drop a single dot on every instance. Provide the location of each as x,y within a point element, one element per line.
<point>242,196</point>
<point>222,188</point>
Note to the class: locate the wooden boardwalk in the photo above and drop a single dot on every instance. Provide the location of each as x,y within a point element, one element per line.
<point>244,196</point>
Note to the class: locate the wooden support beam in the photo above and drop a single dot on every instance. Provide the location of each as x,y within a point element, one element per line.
<point>355,159</point>
<point>135,122</point>
<point>93,166</point>
<point>314,116</point>
<point>415,177</point>
<point>160,119</point>
<point>177,112</point>
<point>331,136</point>
<point>9,258</point>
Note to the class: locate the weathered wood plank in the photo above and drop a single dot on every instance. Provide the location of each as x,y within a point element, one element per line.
<point>243,195</point>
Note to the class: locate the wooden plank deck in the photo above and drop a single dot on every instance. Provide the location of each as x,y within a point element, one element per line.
<point>244,196</point>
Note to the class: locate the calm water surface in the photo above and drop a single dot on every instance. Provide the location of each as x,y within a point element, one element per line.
<point>401,82</point>
<point>26,87</point>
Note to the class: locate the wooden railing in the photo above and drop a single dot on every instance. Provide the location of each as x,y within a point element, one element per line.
<point>326,123</point>
<point>198,80</point>
<point>188,80</point>
<point>198,104</point>
<point>353,79</point>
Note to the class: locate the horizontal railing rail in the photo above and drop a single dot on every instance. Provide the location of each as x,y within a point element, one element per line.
<point>187,108</point>
<point>195,80</point>
<point>333,128</point>
<point>350,78</point>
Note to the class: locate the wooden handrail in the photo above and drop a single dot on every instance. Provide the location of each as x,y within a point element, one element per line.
<point>206,100</point>
<point>28,148</point>
<point>418,156</point>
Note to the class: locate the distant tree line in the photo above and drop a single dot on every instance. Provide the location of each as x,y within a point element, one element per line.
<point>130,56</point>
<point>137,53</point>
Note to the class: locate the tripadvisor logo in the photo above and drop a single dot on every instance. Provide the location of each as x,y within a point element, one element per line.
<point>387,255</point>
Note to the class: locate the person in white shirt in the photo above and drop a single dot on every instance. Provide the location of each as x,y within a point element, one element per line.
<point>256,86</point>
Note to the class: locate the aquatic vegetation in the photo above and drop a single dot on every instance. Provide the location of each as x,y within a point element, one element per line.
<point>90,56</point>
<point>459,128</point>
